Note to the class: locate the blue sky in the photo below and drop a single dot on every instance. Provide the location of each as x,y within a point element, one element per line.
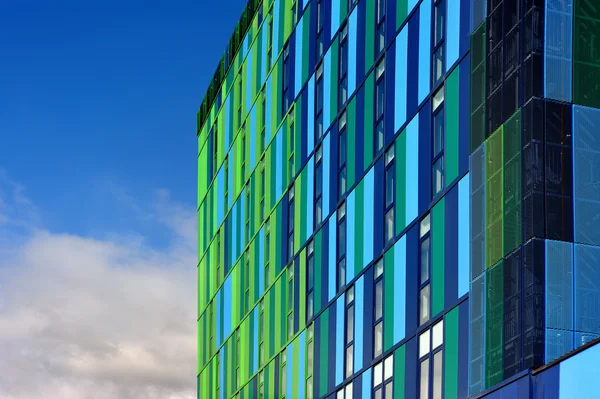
<point>98,102</point>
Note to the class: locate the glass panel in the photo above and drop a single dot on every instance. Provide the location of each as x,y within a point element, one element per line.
<point>425,225</point>
<point>342,178</point>
<point>379,300</point>
<point>349,391</point>
<point>378,393</point>
<point>389,367</point>
<point>310,357</point>
<point>438,98</point>
<point>437,337</point>
<point>438,175</point>
<point>349,363</point>
<point>379,268</point>
<point>310,306</point>
<point>439,22</point>
<point>380,89</point>
<point>438,64</point>
<point>424,305</point>
<point>424,391</point>
<point>379,136</point>
<point>309,388</point>
<point>389,390</point>
<point>424,342</point>
<point>378,339</point>
<point>341,273</point>
<point>389,186</point>
<point>389,225</point>
<point>350,324</point>
<point>350,295</point>
<point>437,375</point>
<point>378,374</point>
<point>438,132</point>
<point>342,148</point>
<point>425,260</point>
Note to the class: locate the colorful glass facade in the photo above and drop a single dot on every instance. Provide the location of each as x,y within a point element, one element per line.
<point>397,198</point>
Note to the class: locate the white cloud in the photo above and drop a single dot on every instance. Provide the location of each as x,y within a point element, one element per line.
<point>82,317</point>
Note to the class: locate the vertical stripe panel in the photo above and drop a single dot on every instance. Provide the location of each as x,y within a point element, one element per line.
<point>350,224</point>
<point>332,263</point>
<point>249,73</point>
<point>369,193</point>
<point>298,61</point>
<point>352,48</point>
<point>412,170</point>
<point>276,21</point>
<point>279,167</point>
<point>310,187</point>
<point>401,79</point>
<point>452,32</point>
<point>400,290</point>
<point>290,374</point>
<point>464,233</point>
<point>301,369</point>
<point>310,120</point>
<point>339,340</point>
<point>358,323</point>
<point>326,92</point>
<point>366,385</point>
<point>261,262</point>
<point>424,49</point>
<point>335,17</point>
<point>326,166</point>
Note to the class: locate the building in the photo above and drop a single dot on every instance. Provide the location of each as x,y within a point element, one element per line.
<point>399,199</point>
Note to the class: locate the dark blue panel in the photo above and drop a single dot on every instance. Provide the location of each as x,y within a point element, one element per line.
<point>465,27</point>
<point>378,214</point>
<point>464,118</point>
<point>304,128</point>
<point>463,349</point>
<point>356,389</point>
<point>412,258</point>
<point>390,85</point>
<point>360,42</point>
<point>410,369</point>
<point>312,40</point>
<point>424,157</point>
<point>451,248</point>
<point>368,318</point>
<point>334,165</point>
<point>325,264</point>
<point>413,65</point>
<point>390,23</point>
<point>276,378</point>
<point>546,385</point>
<point>359,153</point>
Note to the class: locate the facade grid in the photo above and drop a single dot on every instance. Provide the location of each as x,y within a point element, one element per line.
<point>398,198</point>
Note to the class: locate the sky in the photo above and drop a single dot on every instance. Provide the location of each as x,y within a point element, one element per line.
<point>98,104</point>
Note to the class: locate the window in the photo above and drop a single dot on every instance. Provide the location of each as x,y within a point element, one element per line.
<point>379,106</point>
<point>383,377</point>
<point>431,343</point>
<point>270,40</point>
<point>294,13</point>
<point>267,253</point>
<point>262,189</point>
<point>243,169</point>
<point>247,214</point>
<point>438,142</point>
<point>378,311</point>
<point>261,332</point>
<point>263,135</point>
<point>390,190</point>
<point>218,273</point>
<point>290,301</point>
<point>309,363</point>
<point>283,372</point>
<point>247,270</point>
<point>349,336</point>
<point>216,149</point>
<point>291,144</point>
<point>438,48</point>
<point>343,68</point>
<point>239,111</point>
<point>319,103</point>
<point>380,35</point>
<point>341,246</point>
<point>424,270</point>
<point>261,384</point>
<point>238,351</point>
<point>310,280</point>
<point>287,77</point>
<point>320,34</point>
<point>344,393</point>
<point>226,199</point>
<point>342,151</point>
<point>351,3</point>
<point>218,390</point>
<point>318,185</point>
<point>291,224</point>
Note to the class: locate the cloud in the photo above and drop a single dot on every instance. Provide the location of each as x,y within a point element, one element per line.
<point>82,317</point>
